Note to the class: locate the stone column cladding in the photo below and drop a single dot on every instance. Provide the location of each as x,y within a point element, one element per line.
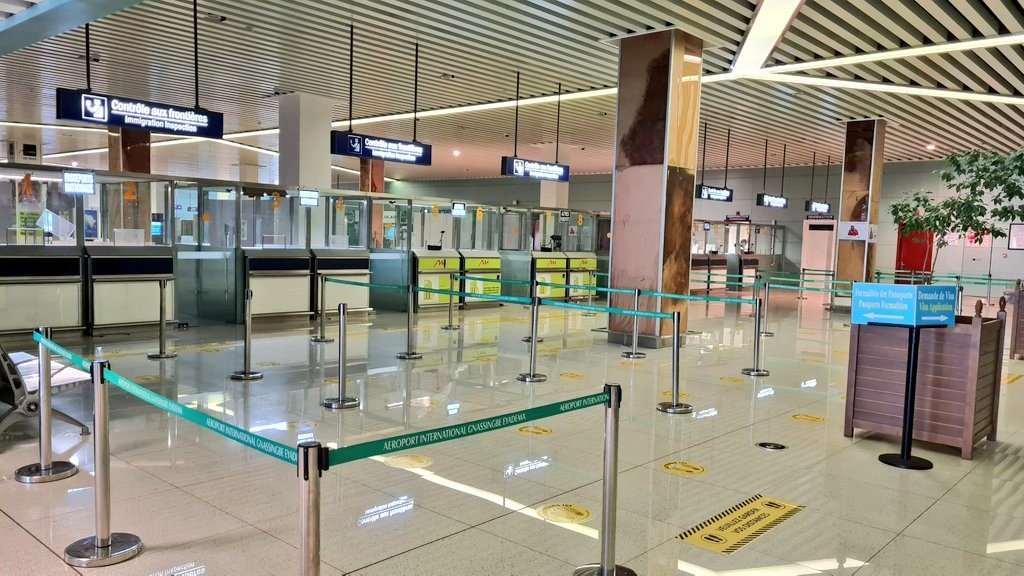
<point>655,173</point>
<point>305,141</point>
<point>128,150</point>
<point>861,196</point>
<point>371,175</point>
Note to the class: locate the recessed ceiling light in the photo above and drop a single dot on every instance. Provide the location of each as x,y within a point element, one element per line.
<point>74,164</point>
<point>456,153</point>
<point>930,146</point>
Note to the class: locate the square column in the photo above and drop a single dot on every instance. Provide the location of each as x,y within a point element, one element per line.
<point>555,194</point>
<point>655,174</point>
<point>861,196</point>
<point>128,150</point>
<point>305,141</point>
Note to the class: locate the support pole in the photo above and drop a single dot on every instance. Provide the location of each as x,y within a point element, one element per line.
<point>247,373</point>
<point>674,406</point>
<point>800,293</point>
<point>410,353</point>
<point>533,337</point>
<point>764,311</point>
<point>904,459</point>
<point>46,470</point>
<point>313,460</point>
<point>632,353</point>
<point>451,326</point>
<point>163,354</point>
<point>532,376</point>
<point>609,485</point>
<point>757,370</point>
<point>104,548</point>
<point>321,337</point>
<point>342,400</point>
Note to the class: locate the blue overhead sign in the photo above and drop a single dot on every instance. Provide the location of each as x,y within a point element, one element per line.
<point>346,143</point>
<point>82,106</point>
<point>523,168</point>
<point>903,304</point>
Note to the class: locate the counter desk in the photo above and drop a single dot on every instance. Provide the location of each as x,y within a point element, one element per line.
<point>122,285</point>
<point>41,286</point>
<point>280,280</point>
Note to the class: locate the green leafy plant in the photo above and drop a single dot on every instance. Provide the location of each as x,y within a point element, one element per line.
<point>988,189</point>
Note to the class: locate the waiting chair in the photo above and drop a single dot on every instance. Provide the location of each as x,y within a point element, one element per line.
<point>19,387</point>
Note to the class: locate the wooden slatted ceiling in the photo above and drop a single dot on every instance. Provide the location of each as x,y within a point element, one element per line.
<point>302,45</point>
<point>12,7</point>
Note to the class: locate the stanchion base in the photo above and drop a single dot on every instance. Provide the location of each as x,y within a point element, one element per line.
<point>243,375</point>
<point>321,340</point>
<point>340,403</point>
<point>450,327</point>
<point>527,377</point>
<point>163,356</point>
<point>596,570</point>
<point>634,355</point>
<point>530,339</point>
<point>693,332</point>
<point>409,356</point>
<point>84,553</point>
<point>34,473</point>
<point>767,334</point>
<point>755,372</point>
<point>912,463</point>
<point>674,408</point>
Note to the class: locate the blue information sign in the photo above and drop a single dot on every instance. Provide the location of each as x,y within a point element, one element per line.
<point>346,143</point>
<point>84,106</point>
<point>523,168</point>
<point>903,304</point>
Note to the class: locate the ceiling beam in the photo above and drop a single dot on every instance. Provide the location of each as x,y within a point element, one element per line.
<point>53,17</point>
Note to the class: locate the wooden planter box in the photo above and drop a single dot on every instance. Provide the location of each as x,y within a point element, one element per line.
<point>958,380</point>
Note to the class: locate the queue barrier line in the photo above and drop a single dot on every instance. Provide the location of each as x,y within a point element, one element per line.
<point>396,287</point>
<point>494,280</point>
<point>696,298</point>
<point>605,309</point>
<point>456,431</point>
<point>269,447</point>
<point>837,291</point>
<point>498,297</point>
<point>587,288</point>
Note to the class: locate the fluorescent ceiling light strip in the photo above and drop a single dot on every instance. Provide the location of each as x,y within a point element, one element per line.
<point>771,20</point>
<point>74,153</point>
<point>955,46</point>
<point>885,87</point>
<point>51,126</point>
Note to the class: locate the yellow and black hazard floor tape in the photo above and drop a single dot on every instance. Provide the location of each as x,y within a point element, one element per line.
<point>739,525</point>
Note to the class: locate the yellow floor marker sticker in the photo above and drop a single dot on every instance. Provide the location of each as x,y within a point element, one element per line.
<point>668,394</point>
<point>732,379</point>
<point>535,430</point>
<point>1011,378</point>
<point>680,468</point>
<point>630,363</point>
<point>564,513</point>
<point>740,525</point>
<point>408,461</point>
<point>571,375</point>
<point>147,379</point>
<point>808,418</point>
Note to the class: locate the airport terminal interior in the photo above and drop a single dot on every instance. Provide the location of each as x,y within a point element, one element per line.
<point>531,287</point>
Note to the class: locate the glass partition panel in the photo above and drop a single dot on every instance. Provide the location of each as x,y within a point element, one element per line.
<point>432,225</point>
<point>270,219</point>
<point>35,210</point>
<point>186,214</point>
<point>578,233</point>
<point>545,225</point>
<point>126,213</point>
<point>479,229</point>
<point>389,224</point>
<point>345,222</point>
<point>217,216</point>
<point>514,231</point>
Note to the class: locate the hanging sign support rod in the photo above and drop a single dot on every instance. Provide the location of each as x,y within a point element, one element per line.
<point>558,121</point>
<point>728,145</point>
<point>415,91</point>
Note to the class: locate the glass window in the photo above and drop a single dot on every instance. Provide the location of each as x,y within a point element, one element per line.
<point>126,213</point>
<point>35,210</point>
<point>345,222</point>
<point>271,219</point>
<point>186,215</point>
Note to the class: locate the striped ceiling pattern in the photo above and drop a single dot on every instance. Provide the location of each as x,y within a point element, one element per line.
<point>252,50</point>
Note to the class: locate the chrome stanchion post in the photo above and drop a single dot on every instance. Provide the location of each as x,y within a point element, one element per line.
<point>410,353</point>
<point>959,300</point>
<point>674,406</point>
<point>322,316</point>
<point>591,288</point>
<point>764,311</point>
<point>610,486</point>
<point>247,373</point>
<point>632,353</point>
<point>105,547</point>
<point>532,375</point>
<point>46,470</point>
<point>451,306</point>
<point>163,353</point>
<point>313,460</point>
<point>343,400</point>
<point>800,294</point>
<point>832,287</point>
<point>757,288</point>
<point>533,337</point>
<point>757,370</point>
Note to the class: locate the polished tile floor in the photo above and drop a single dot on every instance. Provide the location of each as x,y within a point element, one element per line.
<point>203,504</point>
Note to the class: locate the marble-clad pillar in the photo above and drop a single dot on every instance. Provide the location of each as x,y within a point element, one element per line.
<point>861,196</point>
<point>128,150</point>
<point>655,169</point>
